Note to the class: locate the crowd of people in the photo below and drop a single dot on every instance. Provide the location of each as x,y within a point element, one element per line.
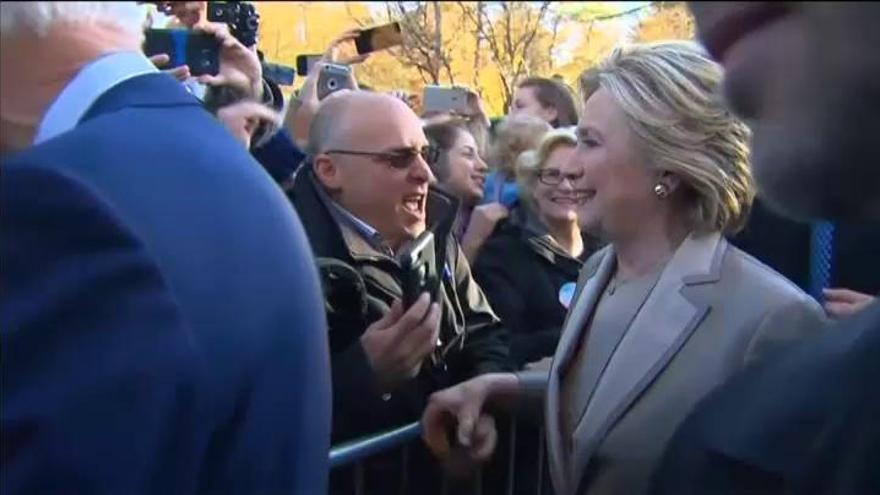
<point>204,291</point>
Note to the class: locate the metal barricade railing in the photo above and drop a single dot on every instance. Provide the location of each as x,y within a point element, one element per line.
<point>356,452</point>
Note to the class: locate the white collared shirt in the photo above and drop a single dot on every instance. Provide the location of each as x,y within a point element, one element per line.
<point>92,81</point>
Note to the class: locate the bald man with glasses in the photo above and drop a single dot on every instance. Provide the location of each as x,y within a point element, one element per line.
<point>364,196</point>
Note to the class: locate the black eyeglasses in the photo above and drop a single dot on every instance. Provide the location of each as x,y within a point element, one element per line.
<point>399,159</point>
<point>553,177</point>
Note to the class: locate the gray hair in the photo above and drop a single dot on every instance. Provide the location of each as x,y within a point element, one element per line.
<point>38,17</point>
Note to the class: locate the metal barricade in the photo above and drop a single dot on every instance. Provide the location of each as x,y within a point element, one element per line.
<point>356,452</point>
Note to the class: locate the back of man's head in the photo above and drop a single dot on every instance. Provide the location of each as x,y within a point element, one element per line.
<point>45,45</point>
<point>39,17</point>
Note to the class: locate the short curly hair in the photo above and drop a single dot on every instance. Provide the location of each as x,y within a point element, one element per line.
<point>670,94</point>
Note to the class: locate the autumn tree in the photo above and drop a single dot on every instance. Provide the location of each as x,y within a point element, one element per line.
<point>510,31</point>
<point>668,21</point>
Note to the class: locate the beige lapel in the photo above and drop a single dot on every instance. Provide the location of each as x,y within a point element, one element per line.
<point>582,307</point>
<point>656,334</point>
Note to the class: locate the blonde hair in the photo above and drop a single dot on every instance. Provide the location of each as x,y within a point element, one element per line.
<point>514,136</point>
<point>532,162</point>
<point>38,17</point>
<point>670,93</point>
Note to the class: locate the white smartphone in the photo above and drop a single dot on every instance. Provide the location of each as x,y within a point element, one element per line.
<point>445,99</point>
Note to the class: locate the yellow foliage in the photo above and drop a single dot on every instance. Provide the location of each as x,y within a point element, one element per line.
<point>671,21</point>
<point>289,29</point>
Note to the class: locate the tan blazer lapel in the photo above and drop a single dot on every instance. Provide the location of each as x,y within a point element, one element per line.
<point>656,334</point>
<point>592,282</point>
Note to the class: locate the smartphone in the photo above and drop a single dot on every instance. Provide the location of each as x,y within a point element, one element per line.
<point>445,99</point>
<point>281,75</point>
<point>199,51</point>
<point>419,267</point>
<point>333,78</point>
<point>305,63</point>
<point>378,38</point>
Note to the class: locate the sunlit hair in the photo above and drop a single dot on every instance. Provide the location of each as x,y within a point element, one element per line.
<point>38,17</point>
<point>515,135</point>
<point>670,93</point>
<point>532,162</point>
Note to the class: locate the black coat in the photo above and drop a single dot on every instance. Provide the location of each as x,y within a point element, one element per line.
<point>784,245</point>
<point>522,269</point>
<point>360,284</point>
<point>807,423</point>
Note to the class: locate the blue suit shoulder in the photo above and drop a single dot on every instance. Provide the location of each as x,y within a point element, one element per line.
<point>92,345</point>
<point>233,260</point>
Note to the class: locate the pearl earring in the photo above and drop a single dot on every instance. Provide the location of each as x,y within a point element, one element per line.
<point>661,190</point>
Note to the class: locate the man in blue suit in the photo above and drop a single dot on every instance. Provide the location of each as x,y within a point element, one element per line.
<point>162,324</point>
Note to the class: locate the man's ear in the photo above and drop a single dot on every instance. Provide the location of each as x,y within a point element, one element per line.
<point>327,172</point>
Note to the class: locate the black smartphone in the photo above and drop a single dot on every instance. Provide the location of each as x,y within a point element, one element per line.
<point>378,38</point>
<point>305,63</point>
<point>418,263</point>
<point>281,75</point>
<point>333,78</point>
<point>199,51</point>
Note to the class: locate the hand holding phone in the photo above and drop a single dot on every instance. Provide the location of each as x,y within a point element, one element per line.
<point>378,38</point>
<point>418,266</point>
<point>446,99</point>
<point>199,51</point>
<point>305,63</point>
<point>333,78</point>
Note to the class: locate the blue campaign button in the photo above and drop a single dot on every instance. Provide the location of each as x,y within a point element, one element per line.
<point>566,293</point>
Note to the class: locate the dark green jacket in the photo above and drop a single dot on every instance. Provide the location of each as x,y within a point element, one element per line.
<point>361,283</point>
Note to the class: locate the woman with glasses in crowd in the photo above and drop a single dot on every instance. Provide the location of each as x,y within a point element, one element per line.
<point>529,266</point>
<point>547,100</point>
<point>669,309</point>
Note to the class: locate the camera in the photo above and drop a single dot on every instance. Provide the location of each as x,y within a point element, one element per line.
<point>241,17</point>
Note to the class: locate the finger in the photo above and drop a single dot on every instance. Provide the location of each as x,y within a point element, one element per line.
<point>848,295</point>
<point>433,323</point>
<point>466,423</point>
<point>485,438</point>
<point>414,315</point>
<point>839,294</point>
<point>253,110</point>
<point>216,28</point>
<point>391,317</point>
<point>349,34</point>
<point>180,73</point>
<point>838,309</point>
<point>435,420</point>
<point>419,342</point>
<point>210,80</point>
<point>357,59</point>
<point>160,59</point>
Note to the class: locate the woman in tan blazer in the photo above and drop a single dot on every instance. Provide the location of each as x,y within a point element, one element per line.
<point>669,309</point>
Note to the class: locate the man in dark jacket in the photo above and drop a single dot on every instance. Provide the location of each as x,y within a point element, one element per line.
<point>805,74</point>
<point>365,196</point>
